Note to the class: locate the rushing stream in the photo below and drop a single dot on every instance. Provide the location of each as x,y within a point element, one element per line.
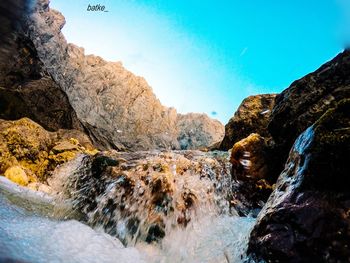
<point>37,228</point>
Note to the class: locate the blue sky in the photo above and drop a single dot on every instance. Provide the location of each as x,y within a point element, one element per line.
<point>206,56</point>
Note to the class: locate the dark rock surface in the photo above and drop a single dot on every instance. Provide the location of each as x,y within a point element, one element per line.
<point>252,116</point>
<point>27,90</point>
<point>300,105</point>
<point>307,219</point>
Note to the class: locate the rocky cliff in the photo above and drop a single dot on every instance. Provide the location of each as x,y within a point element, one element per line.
<point>113,106</point>
<point>198,131</point>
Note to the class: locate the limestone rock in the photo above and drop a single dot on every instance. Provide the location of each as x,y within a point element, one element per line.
<point>306,219</point>
<point>198,131</point>
<point>252,116</point>
<point>116,108</point>
<point>300,105</point>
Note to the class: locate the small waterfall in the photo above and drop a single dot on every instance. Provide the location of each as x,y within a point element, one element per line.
<point>174,206</point>
<point>136,207</point>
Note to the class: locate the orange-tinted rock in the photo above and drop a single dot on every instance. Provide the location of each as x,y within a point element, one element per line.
<point>252,116</point>
<point>248,158</point>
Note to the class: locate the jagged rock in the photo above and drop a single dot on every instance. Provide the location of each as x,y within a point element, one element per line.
<point>300,105</point>
<point>307,219</point>
<point>198,131</point>
<point>28,146</point>
<point>116,108</point>
<point>252,116</point>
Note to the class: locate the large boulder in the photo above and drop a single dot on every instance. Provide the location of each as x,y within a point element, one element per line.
<point>198,131</point>
<point>300,105</point>
<point>307,216</point>
<point>252,116</point>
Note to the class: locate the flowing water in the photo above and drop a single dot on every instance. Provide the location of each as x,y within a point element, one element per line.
<point>160,208</point>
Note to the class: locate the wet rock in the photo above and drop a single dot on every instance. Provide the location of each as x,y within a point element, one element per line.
<point>252,116</point>
<point>249,158</point>
<point>25,144</point>
<point>250,168</point>
<point>198,131</point>
<point>300,105</point>
<point>307,218</point>
<point>141,195</point>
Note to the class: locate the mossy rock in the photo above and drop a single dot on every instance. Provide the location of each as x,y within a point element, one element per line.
<point>18,175</point>
<point>25,143</point>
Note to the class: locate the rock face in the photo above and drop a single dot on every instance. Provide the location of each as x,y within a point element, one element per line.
<point>198,131</point>
<point>307,216</point>
<point>27,90</point>
<point>306,100</point>
<point>116,108</point>
<point>252,116</point>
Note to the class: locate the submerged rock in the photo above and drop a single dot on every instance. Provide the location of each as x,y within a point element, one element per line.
<point>307,216</point>
<point>252,116</point>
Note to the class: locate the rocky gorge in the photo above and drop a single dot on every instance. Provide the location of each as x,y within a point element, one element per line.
<point>91,157</point>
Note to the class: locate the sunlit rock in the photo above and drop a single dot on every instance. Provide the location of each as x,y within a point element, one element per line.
<point>252,116</point>
<point>198,131</point>
<point>17,174</point>
<point>25,143</point>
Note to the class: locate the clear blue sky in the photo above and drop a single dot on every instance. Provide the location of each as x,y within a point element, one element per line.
<point>206,56</point>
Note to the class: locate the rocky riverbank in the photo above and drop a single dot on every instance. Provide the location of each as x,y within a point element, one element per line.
<point>93,134</point>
